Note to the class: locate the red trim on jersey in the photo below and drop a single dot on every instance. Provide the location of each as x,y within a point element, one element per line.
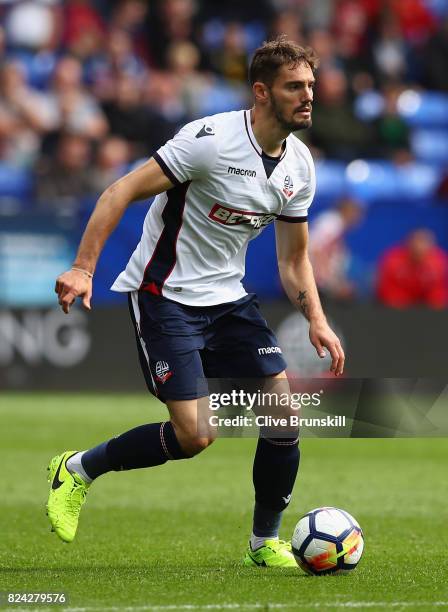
<point>152,288</point>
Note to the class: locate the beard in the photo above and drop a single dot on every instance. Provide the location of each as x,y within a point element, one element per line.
<point>289,125</point>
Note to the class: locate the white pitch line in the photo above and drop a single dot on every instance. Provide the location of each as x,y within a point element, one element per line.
<point>249,606</point>
<point>266,606</point>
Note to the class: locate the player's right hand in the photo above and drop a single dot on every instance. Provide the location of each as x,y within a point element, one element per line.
<point>71,285</point>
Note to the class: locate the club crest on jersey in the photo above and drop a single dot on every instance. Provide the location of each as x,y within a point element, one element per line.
<point>163,372</point>
<point>231,216</point>
<point>288,186</point>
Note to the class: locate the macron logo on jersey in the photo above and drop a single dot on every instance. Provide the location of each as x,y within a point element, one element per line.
<point>231,216</point>
<point>206,130</point>
<point>267,350</point>
<point>241,171</point>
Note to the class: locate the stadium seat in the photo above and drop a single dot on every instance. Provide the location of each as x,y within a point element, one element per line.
<point>383,180</point>
<point>417,181</point>
<point>330,177</point>
<point>371,180</point>
<point>430,145</point>
<point>255,35</point>
<point>15,182</point>
<point>369,105</point>
<point>424,109</point>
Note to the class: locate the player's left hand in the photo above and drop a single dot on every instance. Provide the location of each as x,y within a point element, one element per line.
<point>321,337</point>
<point>73,284</point>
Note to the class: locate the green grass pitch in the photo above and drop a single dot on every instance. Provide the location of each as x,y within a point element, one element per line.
<point>172,538</point>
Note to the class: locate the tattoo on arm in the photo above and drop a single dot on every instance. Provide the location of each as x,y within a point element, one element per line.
<point>303,304</point>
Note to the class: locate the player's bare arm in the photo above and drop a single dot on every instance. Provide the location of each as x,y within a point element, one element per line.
<point>296,274</point>
<point>146,181</point>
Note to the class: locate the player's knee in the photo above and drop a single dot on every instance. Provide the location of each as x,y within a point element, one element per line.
<point>194,444</point>
<point>192,439</point>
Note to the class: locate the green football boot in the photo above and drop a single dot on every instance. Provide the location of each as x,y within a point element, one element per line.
<point>274,553</point>
<point>67,494</point>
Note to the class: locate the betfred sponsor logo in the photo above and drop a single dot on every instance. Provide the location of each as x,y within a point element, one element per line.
<point>231,216</point>
<point>267,350</point>
<point>241,171</point>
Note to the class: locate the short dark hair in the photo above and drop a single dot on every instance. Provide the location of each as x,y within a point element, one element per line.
<point>276,53</point>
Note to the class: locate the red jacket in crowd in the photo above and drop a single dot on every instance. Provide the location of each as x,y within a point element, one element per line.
<point>404,280</point>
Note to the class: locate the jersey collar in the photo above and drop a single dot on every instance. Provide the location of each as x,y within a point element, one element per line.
<point>253,140</point>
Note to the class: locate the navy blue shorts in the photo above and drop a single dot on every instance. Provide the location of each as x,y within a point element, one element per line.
<point>180,345</point>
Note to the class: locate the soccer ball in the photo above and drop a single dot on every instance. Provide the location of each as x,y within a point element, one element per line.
<point>327,541</point>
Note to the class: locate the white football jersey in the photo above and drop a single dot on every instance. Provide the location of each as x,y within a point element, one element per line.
<point>195,235</point>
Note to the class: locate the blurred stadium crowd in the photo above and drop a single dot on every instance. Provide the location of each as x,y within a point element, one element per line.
<point>89,88</point>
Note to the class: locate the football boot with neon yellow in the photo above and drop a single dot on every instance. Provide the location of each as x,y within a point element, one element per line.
<point>67,495</point>
<point>274,553</point>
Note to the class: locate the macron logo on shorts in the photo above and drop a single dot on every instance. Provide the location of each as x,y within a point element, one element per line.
<point>267,350</point>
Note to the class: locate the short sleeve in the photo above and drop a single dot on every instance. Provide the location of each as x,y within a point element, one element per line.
<point>191,154</point>
<point>296,209</point>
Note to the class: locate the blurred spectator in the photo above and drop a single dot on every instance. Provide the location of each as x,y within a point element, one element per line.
<point>390,50</point>
<point>323,43</point>
<point>129,118</point>
<point>2,43</point>
<point>350,27</point>
<point>328,251</point>
<point>391,130</point>
<point>117,58</point>
<point>318,14</point>
<point>435,54</point>
<point>336,131</point>
<point>31,25</point>
<point>289,23</point>
<point>162,92</point>
<point>414,273</point>
<point>246,11</point>
<point>112,161</point>
<point>416,21</point>
<point>30,32</point>
<point>230,59</point>
<point>23,117</point>
<point>183,62</point>
<point>442,189</point>
<point>130,16</point>
<point>71,107</point>
<point>173,21</point>
<point>84,29</point>
<point>63,182</point>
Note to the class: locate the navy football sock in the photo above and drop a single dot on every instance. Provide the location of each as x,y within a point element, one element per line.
<point>275,469</point>
<point>143,446</point>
